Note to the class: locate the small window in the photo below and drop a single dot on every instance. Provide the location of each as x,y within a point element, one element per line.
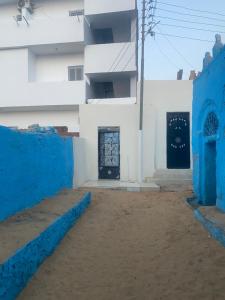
<point>75,13</point>
<point>75,73</point>
<point>103,36</point>
<point>104,90</point>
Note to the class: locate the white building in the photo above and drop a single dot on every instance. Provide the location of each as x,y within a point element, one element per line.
<point>58,54</point>
<point>74,63</point>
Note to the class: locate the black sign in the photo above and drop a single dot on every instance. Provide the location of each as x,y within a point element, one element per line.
<point>178,140</point>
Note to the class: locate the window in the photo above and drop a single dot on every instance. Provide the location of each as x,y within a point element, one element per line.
<point>103,36</point>
<point>75,73</point>
<point>104,90</point>
<point>75,13</point>
<point>211,124</point>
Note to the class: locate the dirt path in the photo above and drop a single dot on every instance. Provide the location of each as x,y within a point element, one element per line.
<point>25,226</point>
<point>142,246</point>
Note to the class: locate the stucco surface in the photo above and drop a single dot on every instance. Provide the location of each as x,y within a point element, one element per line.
<point>208,97</point>
<point>32,166</point>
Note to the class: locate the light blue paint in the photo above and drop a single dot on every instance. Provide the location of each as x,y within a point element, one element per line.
<point>18,269</point>
<point>32,166</point>
<point>208,150</point>
<point>217,232</point>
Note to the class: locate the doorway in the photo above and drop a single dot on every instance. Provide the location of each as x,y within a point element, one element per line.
<point>178,140</point>
<point>210,194</point>
<point>109,153</point>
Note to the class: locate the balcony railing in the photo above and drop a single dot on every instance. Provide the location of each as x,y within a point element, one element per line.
<point>107,58</point>
<point>129,100</point>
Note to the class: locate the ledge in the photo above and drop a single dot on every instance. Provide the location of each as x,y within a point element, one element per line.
<point>20,267</point>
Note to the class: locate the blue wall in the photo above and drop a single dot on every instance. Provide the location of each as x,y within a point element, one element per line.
<point>32,166</point>
<point>209,97</point>
<point>19,268</point>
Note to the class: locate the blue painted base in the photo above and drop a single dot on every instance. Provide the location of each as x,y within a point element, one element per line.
<point>217,232</point>
<point>18,269</point>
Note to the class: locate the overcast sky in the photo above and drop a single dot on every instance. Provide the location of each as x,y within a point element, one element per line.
<point>166,54</point>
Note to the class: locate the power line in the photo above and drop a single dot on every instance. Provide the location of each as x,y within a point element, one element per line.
<point>192,22</point>
<point>192,9</point>
<point>191,28</point>
<point>166,56</point>
<point>184,37</point>
<point>125,48</point>
<point>190,15</point>
<point>176,50</point>
<point>121,53</point>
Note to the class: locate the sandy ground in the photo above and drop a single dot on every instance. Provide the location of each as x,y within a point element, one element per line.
<point>16,231</point>
<point>142,246</point>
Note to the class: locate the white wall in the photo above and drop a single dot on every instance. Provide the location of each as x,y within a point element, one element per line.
<point>50,23</point>
<point>55,67</point>
<point>109,54</point>
<point>103,6</point>
<point>161,97</point>
<point>43,118</point>
<point>123,116</point>
<point>80,162</point>
<point>13,67</point>
<point>17,68</point>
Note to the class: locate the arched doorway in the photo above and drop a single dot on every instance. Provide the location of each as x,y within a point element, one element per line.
<point>210,152</point>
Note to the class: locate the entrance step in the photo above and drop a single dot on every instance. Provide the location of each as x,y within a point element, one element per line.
<point>122,185</point>
<point>173,180</point>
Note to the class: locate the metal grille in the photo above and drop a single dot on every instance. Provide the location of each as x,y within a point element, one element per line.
<point>211,124</point>
<point>109,148</point>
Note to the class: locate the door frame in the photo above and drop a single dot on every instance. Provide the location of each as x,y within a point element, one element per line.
<point>108,129</point>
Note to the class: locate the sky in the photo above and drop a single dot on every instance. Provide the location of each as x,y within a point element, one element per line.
<point>165,55</point>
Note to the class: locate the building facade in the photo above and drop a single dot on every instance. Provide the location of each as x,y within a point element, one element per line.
<point>74,63</point>
<point>57,55</point>
<point>166,134</point>
<point>208,130</point>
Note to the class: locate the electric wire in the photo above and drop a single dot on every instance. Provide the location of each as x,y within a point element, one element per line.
<point>166,56</point>
<point>191,28</point>
<point>190,15</point>
<point>189,21</point>
<point>175,49</point>
<point>124,50</point>
<point>121,53</point>
<point>192,9</point>
<point>184,37</point>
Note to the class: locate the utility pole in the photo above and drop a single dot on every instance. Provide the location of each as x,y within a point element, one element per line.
<point>140,138</point>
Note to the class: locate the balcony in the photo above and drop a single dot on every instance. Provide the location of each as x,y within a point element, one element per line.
<point>117,57</point>
<point>40,94</point>
<point>94,7</point>
<point>128,100</point>
<point>42,31</point>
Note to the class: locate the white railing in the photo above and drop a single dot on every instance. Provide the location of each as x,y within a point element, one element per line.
<point>107,58</point>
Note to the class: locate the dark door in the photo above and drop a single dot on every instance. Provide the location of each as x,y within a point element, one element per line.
<point>109,153</point>
<point>178,140</point>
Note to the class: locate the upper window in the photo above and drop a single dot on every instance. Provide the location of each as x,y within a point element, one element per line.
<point>75,73</point>
<point>211,124</point>
<point>104,90</point>
<point>103,36</point>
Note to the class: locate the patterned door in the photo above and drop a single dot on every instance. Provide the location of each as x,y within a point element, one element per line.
<point>109,153</point>
<point>178,140</point>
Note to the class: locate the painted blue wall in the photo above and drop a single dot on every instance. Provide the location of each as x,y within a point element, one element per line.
<point>209,96</point>
<point>22,265</point>
<point>32,166</point>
